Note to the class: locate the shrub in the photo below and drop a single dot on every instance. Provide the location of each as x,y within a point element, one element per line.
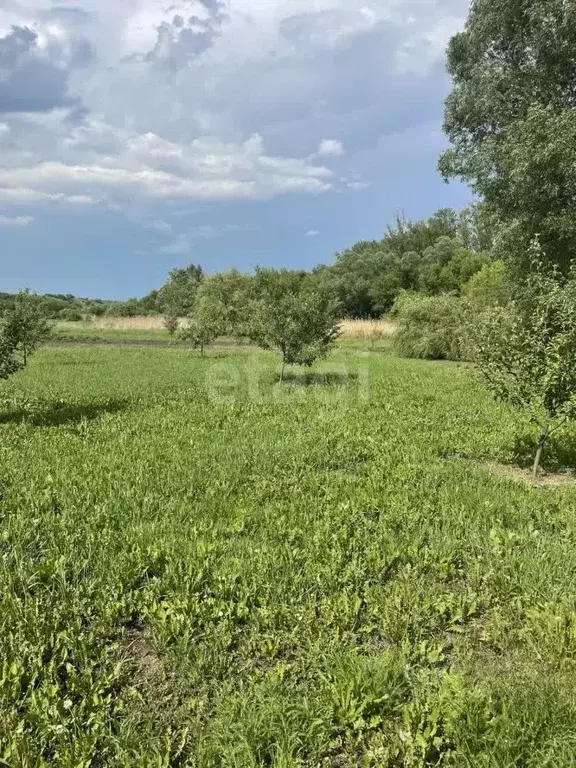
<point>25,327</point>
<point>489,287</point>
<point>430,327</point>
<point>526,351</point>
<point>71,315</point>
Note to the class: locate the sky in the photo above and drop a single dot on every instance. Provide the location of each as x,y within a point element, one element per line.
<point>140,135</point>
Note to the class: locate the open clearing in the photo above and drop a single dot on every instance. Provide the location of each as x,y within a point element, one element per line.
<point>201,568</point>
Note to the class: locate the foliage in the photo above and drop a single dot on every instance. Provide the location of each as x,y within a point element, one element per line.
<point>171,323</point>
<point>25,327</point>
<point>70,316</point>
<point>526,351</point>
<point>447,266</point>
<point>9,361</point>
<point>230,293</point>
<point>433,256</point>
<point>293,315</point>
<point>297,576</point>
<point>176,298</point>
<point>490,287</point>
<point>510,118</point>
<point>430,327</point>
<point>210,320</point>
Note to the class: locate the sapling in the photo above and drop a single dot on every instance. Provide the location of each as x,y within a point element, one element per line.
<point>526,351</point>
<point>300,320</point>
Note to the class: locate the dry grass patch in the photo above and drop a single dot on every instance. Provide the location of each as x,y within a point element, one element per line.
<point>140,323</point>
<point>369,330</point>
<point>525,475</point>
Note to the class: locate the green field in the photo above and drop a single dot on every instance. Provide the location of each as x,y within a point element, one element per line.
<point>203,568</point>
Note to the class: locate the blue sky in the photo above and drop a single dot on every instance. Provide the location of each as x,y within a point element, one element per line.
<point>138,135</point>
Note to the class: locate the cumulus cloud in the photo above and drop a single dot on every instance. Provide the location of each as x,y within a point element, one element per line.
<point>330,148</point>
<point>150,167</point>
<point>312,233</point>
<point>182,39</point>
<point>35,69</point>
<point>16,221</point>
<point>143,102</point>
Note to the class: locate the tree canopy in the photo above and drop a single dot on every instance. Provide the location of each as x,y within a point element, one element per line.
<point>511,121</point>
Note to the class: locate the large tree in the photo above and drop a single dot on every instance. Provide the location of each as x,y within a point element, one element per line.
<point>511,120</point>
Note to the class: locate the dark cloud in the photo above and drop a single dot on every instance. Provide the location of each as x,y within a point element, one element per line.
<point>352,84</point>
<point>181,41</point>
<point>30,78</point>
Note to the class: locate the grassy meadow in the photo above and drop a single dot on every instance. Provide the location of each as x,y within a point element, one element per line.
<point>203,568</point>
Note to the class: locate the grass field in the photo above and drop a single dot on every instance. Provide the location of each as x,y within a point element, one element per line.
<point>202,568</point>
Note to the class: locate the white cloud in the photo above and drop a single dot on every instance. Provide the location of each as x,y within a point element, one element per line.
<point>358,186</point>
<point>330,148</point>
<point>147,166</point>
<point>16,221</point>
<point>141,103</point>
<point>312,233</point>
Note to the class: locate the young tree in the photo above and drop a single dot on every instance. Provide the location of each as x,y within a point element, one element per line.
<point>171,323</point>
<point>526,351</point>
<point>25,326</point>
<point>225,298</point>
<point>209,321</point>
<point>9,362</point>
<point>294,315</point>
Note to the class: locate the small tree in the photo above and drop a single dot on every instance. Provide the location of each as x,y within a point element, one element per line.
<point>526,351</point>
<point>300,319</point>
<point>178,295</point>
<point>171,323</point>
<point>208,322</point>
<point>9,362</point>
<point>25,326</point>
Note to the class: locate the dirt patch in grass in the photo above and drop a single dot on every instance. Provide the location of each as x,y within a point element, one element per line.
<point>525,475</point>
<point>147,666</point>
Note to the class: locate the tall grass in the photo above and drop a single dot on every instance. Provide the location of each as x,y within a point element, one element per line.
<point>368,330</point>
<point>353,329</point>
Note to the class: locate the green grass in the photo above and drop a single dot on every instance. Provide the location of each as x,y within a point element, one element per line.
<point>201,568</point>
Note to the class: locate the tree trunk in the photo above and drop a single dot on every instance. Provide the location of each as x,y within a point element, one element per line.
<point>283,366</point>
<point>541,444</point>
<point>201,350</point>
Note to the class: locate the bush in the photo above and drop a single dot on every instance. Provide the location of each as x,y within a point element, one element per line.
<point>429,327</point>
<point>489,287</point>
<point>72,315</point>
<point>526,351</point>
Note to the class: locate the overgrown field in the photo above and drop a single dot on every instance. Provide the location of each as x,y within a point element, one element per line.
<point>201,568</point>
<point>118,328</point>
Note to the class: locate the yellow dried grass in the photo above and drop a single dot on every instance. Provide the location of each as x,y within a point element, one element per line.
<point>368,330</point>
